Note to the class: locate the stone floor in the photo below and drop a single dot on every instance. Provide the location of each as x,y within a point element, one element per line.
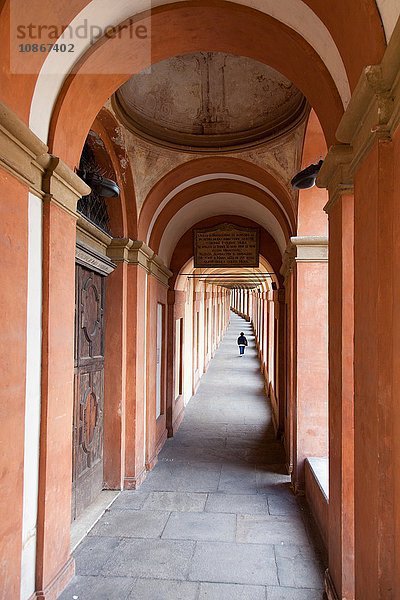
<point>216,518</point>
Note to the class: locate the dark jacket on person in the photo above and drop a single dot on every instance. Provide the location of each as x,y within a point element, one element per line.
<point>242,341</point>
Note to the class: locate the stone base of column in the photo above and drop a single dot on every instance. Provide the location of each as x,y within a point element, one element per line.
<point>59,583</point>
<point>133,483</point>
<point>177,423</point>
<point>151,463</point>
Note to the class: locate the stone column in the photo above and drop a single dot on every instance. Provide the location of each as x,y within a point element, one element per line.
<point>310,361</point>
<point>370,129</point>
<point>62,188</point>
<point>21,175</point>
<point>340,208</point>
<point>281,361</point>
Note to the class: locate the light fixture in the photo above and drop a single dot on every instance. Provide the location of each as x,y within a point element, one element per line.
<point>305,179</point>
<point>107,188</point>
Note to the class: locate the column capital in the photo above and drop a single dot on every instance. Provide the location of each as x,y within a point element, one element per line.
<point>27,159</point>
<point>310,249</point>
<point>60,184</point>
<point>372,114</point>
<point>335,173</point>
<point>135,252</point>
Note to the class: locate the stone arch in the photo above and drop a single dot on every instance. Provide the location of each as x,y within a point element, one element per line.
<point>125,220</point>
<point>207,169</point>
<point>219,27</point>
<point>237,198</point>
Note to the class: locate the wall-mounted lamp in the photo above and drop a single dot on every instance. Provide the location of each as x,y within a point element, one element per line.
<point>306,178</point>
<point>107,188</point>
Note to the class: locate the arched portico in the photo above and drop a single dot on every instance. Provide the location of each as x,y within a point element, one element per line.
<point>324,52</point>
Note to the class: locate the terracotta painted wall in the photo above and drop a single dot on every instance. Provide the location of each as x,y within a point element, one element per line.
<point>14,253</point>
<point>54,566</point>
<point>396,362</point>
<point>115,377</point>
<point>311,419</point>
<point>156,429</point>
<point>375,371</point>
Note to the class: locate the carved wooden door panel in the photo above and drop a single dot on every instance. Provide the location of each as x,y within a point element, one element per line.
<point>87,445</point>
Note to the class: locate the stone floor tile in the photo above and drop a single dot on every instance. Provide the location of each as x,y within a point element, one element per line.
<point>233,563</point>
<point>249,504</point>
<point>271,477</point>
<point>200,441</point>
<point>223,468</point>
<point>267,529</point>
<point>237,479</point>
<point>227,591</point>
<point>158,559</point>
<point>298,567</point>
<point>98,588</point>
<point>159,589</point>
<point>188,478</point>
<point>201,526</point>
<point>131,523</point>
<point>131,500</point>
<point>282,505</point>
<point>176,501</point>
<point>93,553</point>
<point>285,593</point>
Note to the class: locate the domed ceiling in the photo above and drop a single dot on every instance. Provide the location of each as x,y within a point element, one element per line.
<point>209,101</point>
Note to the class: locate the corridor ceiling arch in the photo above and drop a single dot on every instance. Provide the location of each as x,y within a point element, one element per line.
<point>213,187</point>
<point>225,27</point>
<point>294,14</point>
<point>207,169</point>
<point>217,182</point>
<point>213,205</point>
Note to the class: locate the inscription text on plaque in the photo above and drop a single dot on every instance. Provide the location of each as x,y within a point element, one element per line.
<point>226,245</point>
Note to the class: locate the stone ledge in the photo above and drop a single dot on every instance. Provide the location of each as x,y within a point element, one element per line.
<point>317,493</point>
<point>135,252</point>
<point>26,157</point>
<point>372,114</point>
<point>320,469</point>
<point>310,248</point>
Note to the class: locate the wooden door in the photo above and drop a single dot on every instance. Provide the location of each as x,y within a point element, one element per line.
<point>87,445</point>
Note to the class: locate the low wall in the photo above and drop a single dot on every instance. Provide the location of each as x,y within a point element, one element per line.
<point>317,493</point>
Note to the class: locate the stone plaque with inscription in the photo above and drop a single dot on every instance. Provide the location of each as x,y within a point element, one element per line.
<point>226,246</point>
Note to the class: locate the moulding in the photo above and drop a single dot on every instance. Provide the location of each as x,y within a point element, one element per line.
<point>311,248</point>
<point>372,114</point>
<point>133,483</point>
<point>118,249</point>
<point>329,587</point>
<point>26,157</point>
<point>92,235</point>
<point>288,261</point>
<point>20,149</point>
<point>88,257</point>
<point>335,174</point>
<point>151,463</point>
<point>138,253</point>
<point>60,184</point>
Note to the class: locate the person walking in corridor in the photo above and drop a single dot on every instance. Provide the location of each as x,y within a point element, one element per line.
<point>242,343</point>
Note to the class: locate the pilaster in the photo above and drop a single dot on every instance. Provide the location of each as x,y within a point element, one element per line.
<point>364,232</point>
<point>305,271</point>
